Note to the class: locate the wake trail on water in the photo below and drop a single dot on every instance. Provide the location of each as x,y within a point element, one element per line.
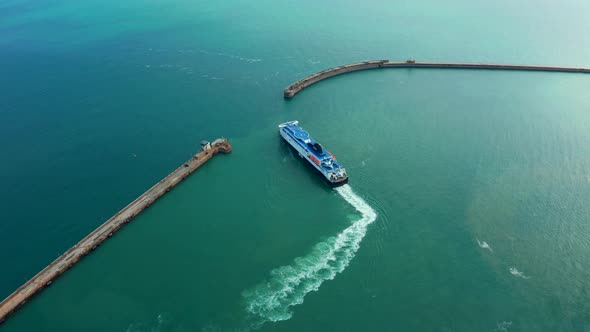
<point>271,300</point>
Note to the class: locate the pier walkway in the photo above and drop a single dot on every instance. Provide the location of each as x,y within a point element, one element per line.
<point>296,87</point>
<point>107,229</point>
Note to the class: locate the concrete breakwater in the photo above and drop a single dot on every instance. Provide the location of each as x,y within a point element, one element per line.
<point>108,228</point>
<point>296,87</point>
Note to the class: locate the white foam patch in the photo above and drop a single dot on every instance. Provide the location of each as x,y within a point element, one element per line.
<point>161,322</point>
<point>271,301</point>
<point>503,326</point>
<point>517,273</point>
<point>484,245</point>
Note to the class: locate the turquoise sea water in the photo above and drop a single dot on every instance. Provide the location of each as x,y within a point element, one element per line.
<point>478,181</point>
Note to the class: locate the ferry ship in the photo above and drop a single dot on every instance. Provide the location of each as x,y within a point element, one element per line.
<point>310,150</point>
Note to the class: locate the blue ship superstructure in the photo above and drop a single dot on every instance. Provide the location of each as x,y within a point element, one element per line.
<point>320,158</point>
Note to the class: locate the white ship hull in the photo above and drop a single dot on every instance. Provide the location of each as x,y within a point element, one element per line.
<point>335,177</point>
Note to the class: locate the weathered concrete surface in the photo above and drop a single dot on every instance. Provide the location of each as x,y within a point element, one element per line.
<point>296,87</point>
<point>106,230</point>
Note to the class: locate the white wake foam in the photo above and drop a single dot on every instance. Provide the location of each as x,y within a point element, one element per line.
<point>287,286</point>
<point>484,245</point>
<point>517,273</point>
<point>162,321</point>
<point>503,326</point>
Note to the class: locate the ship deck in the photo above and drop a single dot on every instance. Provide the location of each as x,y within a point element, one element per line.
<point>301,135</point>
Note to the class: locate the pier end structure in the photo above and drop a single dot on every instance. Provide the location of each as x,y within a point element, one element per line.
<point>296,87</point>
<point>64,262</point>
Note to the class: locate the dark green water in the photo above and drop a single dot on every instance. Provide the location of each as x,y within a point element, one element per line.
<point>102,99</point>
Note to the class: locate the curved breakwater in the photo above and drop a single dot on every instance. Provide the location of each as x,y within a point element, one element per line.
<point>296,87</point>
<point>287,286</point>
